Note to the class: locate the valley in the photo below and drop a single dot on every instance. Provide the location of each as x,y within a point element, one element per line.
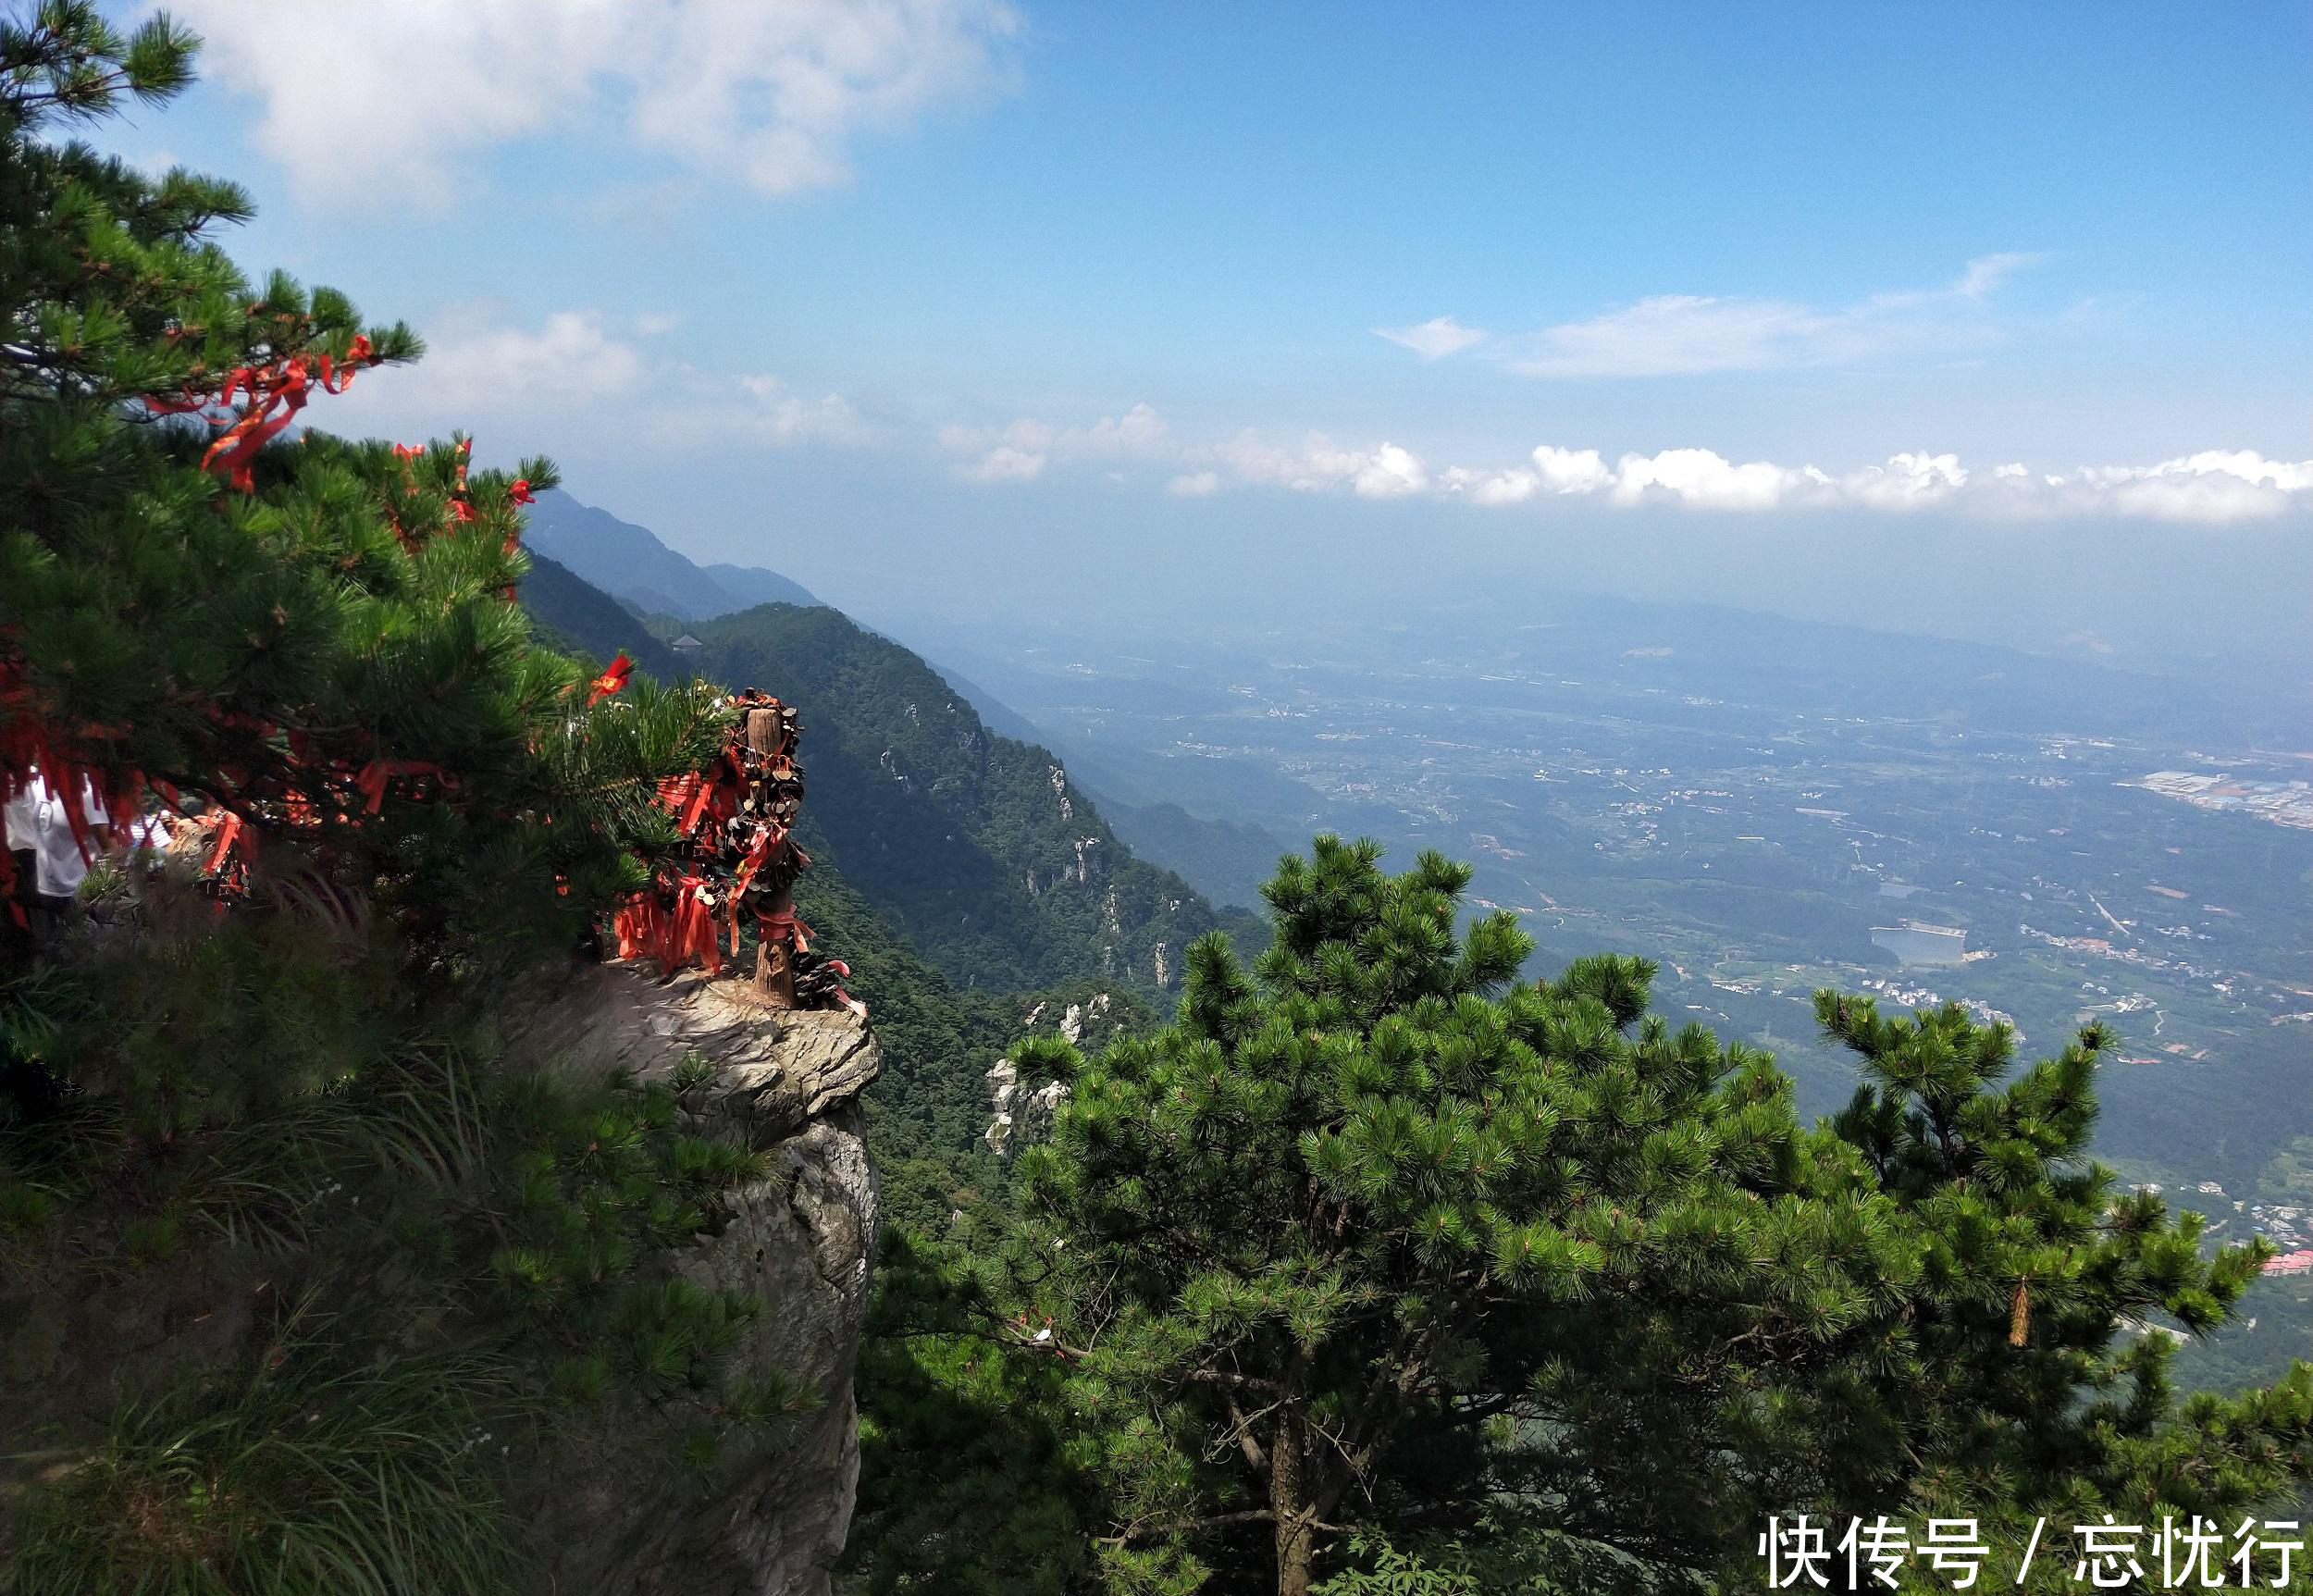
<point>1727,814</point>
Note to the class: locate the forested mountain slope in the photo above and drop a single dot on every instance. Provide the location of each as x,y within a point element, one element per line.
<point>575,615</point>
<point>950,988</point>
<point>979,848</point>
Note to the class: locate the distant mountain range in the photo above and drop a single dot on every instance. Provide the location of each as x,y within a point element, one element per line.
<point>978,849</point>
<point>593,569</point>
<point>629,562</point>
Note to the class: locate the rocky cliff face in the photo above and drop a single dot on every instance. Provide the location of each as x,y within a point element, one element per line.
<point>610,1511</point>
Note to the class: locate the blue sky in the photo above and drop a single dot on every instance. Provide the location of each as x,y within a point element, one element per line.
<point>920,300</point>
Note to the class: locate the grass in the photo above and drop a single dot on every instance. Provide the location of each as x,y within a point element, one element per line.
<point>299,1477</point>
<point>484,1238</point>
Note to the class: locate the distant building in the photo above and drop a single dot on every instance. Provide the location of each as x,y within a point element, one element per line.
<point>2291,1263</point>
<point>687,644</point>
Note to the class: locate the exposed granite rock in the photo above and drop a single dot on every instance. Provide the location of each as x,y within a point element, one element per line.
<point>610,1511</point>
<point>1018,1111</point>
<point>774,1069</point>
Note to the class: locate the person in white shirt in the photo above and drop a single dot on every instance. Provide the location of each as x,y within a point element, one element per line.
<point>49,864</point>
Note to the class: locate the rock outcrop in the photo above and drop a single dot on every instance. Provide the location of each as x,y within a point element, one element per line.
<point>1019,1112</point>
<point>608,1510</point>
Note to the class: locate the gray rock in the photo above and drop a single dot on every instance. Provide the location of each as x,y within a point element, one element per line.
<point>608,1510</point>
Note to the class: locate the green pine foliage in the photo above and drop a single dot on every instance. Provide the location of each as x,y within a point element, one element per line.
<point>215,1101</point>
<point>1377,1252</point>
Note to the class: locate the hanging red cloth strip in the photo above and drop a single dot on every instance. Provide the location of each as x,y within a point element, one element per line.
<point>371,782</point>
<point>636,926</point>
<point>28,746</point>
<point>691,934</point>
<point>784,927</point>
<point>227,834</point>
<point>275,394</point>
<point>609,681</point>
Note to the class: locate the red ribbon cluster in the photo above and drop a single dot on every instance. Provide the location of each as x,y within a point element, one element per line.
<point>271,395</point>
<point>675,934</point>
<point>26,743</point>
<point>673,921</point>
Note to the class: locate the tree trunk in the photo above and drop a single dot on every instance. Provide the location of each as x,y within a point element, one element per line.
<point>1289,1500</point>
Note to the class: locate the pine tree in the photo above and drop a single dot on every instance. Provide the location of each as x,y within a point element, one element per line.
<point>1376,1247</point>
<point>309,648</point>
<point>316,638</point>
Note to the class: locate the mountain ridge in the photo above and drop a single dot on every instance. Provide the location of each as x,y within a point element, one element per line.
<point>630,562</point>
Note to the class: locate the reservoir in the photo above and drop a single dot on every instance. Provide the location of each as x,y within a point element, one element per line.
<point>1917,943</point>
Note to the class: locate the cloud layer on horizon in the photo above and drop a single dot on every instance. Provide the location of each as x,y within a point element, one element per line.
<point>2211,487</point>
<point>575,368</point>
<point>523,385</point>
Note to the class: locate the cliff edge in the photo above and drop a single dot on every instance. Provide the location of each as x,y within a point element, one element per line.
<point>608,1510</point>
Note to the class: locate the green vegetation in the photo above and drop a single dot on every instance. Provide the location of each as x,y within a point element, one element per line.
<point>298,1478</point>
<point>1376,1256</point>
<point>1379,1266</point>
<point>276,1113</point>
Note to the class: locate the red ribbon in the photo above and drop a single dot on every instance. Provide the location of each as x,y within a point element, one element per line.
<point>229,830</point>
<point>275,395</point>
<point>609,681</point>
<point>371,782</point>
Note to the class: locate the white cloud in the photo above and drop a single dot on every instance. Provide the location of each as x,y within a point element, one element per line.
<point>1700,478</point>
<point>1571,470</point>
<point>2214,488</point>
<point>1316,465</point>
<point>1434,338</point>
<point>363,103</point>
<point>1668,335</point>
<point>1005,464</point>
<point>1490,488</point>
<point>534,387</point>
<point>474,363</point>
<point>1390,472</point>
<point>778,416</point>
<point>1018,451</point>
<point>2289,476</point>
<point>1675,335</point>
<point>1137,434</point>
<point>1987,272</point>
<point>1906,482</point>
<point>1385,471</point>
